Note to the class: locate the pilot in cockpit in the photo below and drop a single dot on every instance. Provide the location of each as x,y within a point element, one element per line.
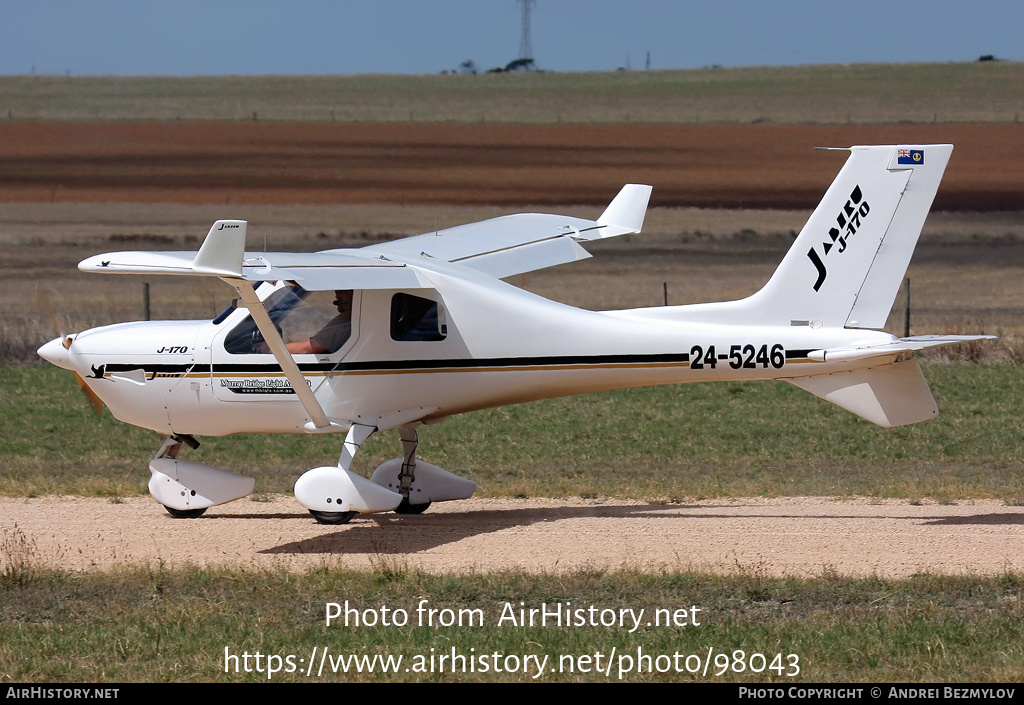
<point>333,335</point>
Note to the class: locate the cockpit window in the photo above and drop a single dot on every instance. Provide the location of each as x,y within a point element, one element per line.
<point>309,322</point>
<point>415,318</point>
<point>223,315</point>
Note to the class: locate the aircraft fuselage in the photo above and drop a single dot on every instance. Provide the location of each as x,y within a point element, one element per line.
<point>501,345</point>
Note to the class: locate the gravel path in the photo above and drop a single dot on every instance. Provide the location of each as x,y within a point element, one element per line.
<point>783,536</point>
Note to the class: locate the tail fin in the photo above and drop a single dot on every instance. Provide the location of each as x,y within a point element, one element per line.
<point>846,266</point>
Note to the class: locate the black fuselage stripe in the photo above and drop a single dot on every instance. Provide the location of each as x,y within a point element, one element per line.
<point>392,365</point>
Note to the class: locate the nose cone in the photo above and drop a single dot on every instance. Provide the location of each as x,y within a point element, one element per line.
<point>55,353</point>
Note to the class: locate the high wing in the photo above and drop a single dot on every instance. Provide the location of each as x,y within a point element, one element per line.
<point>514,244</point>
<point>223,255</point>
<point>500,247</point>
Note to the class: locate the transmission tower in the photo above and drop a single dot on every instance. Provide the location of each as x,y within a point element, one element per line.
<point>525,46</point>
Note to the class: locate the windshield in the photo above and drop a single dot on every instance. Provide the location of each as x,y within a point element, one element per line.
<point>300,316</point>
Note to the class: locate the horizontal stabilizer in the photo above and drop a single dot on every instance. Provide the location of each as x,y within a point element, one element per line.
<point>897,347</point>
<point>891,395</point>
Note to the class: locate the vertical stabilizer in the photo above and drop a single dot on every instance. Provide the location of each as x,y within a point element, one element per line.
<point>845,267</point>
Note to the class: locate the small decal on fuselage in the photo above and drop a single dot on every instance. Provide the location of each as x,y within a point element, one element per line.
<point>173,349</point>
<point>259,386</point>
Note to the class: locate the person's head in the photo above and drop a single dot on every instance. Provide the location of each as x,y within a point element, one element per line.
<point>343,300</point>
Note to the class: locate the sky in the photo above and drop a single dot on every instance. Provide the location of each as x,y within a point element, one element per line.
<point>253,37</point>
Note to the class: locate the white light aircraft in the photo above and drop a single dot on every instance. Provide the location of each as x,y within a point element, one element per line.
<point>424,328</point>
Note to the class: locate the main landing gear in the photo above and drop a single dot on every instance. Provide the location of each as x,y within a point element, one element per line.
<point>185,513</point>
<point>333,495</point>
<point>332,518</point>
<point>403,485</point>
<point>405,508</point>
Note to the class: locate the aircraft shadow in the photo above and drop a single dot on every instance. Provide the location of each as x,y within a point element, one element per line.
<point>994,519</point>
<point>391,533</point>
<point>385,534</point>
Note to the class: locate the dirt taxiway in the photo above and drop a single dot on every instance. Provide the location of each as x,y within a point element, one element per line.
<point>781,536</point>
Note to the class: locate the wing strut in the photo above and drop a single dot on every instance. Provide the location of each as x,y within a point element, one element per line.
<point>321,424</point>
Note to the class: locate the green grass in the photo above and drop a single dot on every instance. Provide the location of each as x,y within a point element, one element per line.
<point>159,625</point>
<point>663,443</point>
<point>857,93</point>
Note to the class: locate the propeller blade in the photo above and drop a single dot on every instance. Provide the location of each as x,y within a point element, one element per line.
<point>97,403</point>
<point>94,400</point>
<point>44,300</point>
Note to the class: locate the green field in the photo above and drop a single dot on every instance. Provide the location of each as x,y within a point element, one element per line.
<point>830,94</point>
<point>172,626</point>
<point>150,624</point>
<point>683,442</point>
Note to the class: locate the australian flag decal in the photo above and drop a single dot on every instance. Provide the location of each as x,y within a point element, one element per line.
<point>910,156</point>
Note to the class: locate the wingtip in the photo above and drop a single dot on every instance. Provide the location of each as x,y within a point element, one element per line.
<point>628,209</point>
<point>223,249</point>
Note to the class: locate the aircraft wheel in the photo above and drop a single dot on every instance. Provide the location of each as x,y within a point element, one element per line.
<point>332,518</point>
<point>406,508</point>
<point>185,513</point>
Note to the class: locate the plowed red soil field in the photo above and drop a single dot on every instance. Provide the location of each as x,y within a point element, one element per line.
<point>721,166</point>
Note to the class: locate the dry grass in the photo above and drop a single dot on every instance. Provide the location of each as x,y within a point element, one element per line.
<point>844,94</point>
<point>19,562</point>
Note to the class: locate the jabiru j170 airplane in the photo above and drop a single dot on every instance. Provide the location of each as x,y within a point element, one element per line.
<point>401,335</point>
